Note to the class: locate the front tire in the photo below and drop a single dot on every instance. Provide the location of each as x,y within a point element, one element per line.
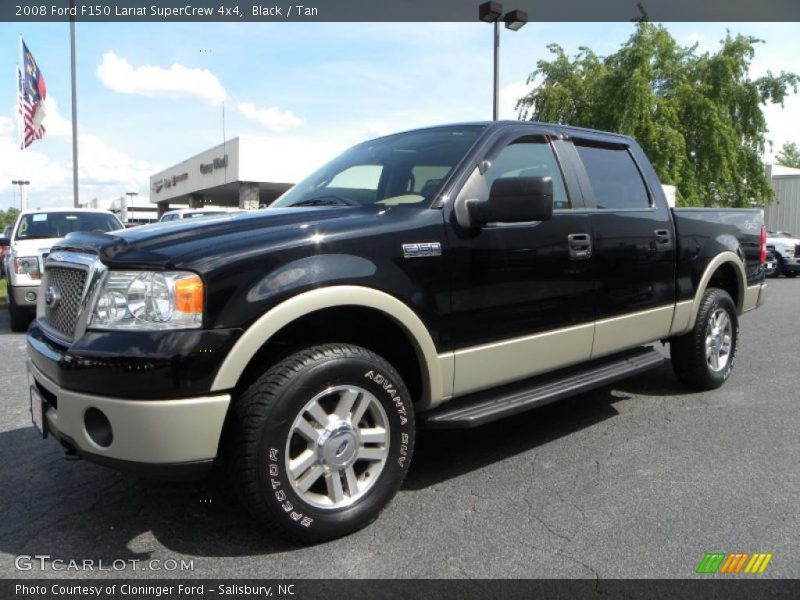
<point>703,358</point>
<point>778,267</point>
<point>321,442</point>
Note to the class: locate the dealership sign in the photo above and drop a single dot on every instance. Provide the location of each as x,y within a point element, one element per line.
<point>220,162</point>
<point>168,182</point>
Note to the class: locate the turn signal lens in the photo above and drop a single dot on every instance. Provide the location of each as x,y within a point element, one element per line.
<point>189,294</point>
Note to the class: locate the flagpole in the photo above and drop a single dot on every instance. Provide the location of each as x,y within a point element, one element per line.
<point>74,107</point>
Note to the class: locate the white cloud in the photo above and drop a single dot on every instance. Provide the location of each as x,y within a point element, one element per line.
<point>104,171</point>
<point>55,124</point>
<point>378,128</point>
<point>509,95</point>
<point>783,124</point>
<point>177,81</point>
<point>270,117</point>
<point>7,126</point>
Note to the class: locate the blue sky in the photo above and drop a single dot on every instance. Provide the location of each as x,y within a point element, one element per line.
<point>151,95</point>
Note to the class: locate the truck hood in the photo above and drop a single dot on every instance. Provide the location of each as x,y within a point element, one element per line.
<point>33,247</point>
<point>783,240</point>
<point>162,244</point>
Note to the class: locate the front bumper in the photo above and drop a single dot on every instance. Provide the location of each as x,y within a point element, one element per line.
<point>791,264</point>
<point>20,293</point>
<point>153,437</point>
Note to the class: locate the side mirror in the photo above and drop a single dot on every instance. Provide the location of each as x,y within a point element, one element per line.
<point>514,200</point>
<point>4,242</point>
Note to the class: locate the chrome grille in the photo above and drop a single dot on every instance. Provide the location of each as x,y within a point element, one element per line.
<point>69,282</point>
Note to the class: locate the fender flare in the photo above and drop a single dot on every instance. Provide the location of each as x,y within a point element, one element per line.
<point>694,305</point>
<point>275,319</point>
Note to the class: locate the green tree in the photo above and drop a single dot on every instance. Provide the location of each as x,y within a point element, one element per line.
<point>789,156</point>
<point>8,217</point>
<point>697,116</point>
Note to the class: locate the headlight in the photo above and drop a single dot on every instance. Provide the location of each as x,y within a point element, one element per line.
<point>27,265</point>
<point>149,300</point>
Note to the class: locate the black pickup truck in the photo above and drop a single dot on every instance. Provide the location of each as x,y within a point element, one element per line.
<point>443,277</point>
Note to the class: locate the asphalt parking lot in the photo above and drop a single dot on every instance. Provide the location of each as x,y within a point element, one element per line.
<point>636,481</point>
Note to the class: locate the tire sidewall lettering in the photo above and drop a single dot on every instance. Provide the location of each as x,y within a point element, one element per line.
<point>274,480</point>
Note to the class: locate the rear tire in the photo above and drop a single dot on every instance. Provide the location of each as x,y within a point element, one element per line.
<point>791,274</point>
<point>321,442</point>
<point>703,358</point>
<point>20,317</point>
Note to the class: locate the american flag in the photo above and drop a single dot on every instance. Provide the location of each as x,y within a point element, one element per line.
<point>32,93</point>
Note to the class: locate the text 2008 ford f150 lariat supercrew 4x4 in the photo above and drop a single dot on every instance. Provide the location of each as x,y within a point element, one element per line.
<point>447,276</point>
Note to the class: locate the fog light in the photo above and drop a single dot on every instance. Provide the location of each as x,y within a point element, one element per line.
<point>98,428</point>
<point>30,296</point>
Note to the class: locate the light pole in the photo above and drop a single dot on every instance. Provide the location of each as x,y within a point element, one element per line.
<point>21,183</point>
<point>491,12</point>
<point>130,195</point>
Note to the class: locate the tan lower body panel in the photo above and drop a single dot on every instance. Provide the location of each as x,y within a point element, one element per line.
<point>482,367</point>
<point>751,297</point>
<point>619,333</point>
<point>145,431</point>
<point>681,320</point>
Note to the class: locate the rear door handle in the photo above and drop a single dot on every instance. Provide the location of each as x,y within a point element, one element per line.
<point>580,246</point>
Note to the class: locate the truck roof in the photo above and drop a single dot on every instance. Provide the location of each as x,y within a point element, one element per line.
<point>60,209</point>
<point>490,125</point>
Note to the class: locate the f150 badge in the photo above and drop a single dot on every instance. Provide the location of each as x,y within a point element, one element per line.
<point>421,250</point>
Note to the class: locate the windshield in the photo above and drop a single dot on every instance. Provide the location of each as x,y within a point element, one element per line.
<point>57,225</point>
<point>400,170</point>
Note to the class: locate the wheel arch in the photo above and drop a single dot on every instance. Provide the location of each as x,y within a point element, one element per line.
<point>725,271</point>
<point>310,304</point>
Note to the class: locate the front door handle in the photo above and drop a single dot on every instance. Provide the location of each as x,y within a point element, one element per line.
<point>580,246</point>
<point>663,237</point>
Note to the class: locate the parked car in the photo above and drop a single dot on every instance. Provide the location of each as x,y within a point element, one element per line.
<point>445,277</point>
<point>5,242</point>
<point>786,248</point>
<point>195,213</point>
<point>31,238</point>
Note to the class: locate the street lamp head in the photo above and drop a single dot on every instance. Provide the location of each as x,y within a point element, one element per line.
<point>489,12</point>
<point>515,19</point>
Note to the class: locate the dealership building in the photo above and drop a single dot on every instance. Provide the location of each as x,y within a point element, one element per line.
<point>784,212</point>
<point>243,172</point>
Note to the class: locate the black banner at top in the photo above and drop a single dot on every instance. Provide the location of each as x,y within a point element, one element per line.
<point>392,10</point>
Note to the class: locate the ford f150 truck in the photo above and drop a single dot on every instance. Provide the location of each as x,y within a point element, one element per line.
<point>443,277</point>
<point>786,251</point>
<point>32,235</point>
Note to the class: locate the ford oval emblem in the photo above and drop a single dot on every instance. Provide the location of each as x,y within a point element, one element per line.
<point>52,297</point>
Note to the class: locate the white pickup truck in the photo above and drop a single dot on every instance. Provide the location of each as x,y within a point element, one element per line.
<point>31,238</point>
<point>786,250</point>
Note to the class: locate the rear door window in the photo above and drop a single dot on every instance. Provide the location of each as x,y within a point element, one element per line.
<point>614,177</point>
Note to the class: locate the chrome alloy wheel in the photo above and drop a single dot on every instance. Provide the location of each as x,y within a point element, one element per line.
<point>337,447</point>
<point>719,340</point>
